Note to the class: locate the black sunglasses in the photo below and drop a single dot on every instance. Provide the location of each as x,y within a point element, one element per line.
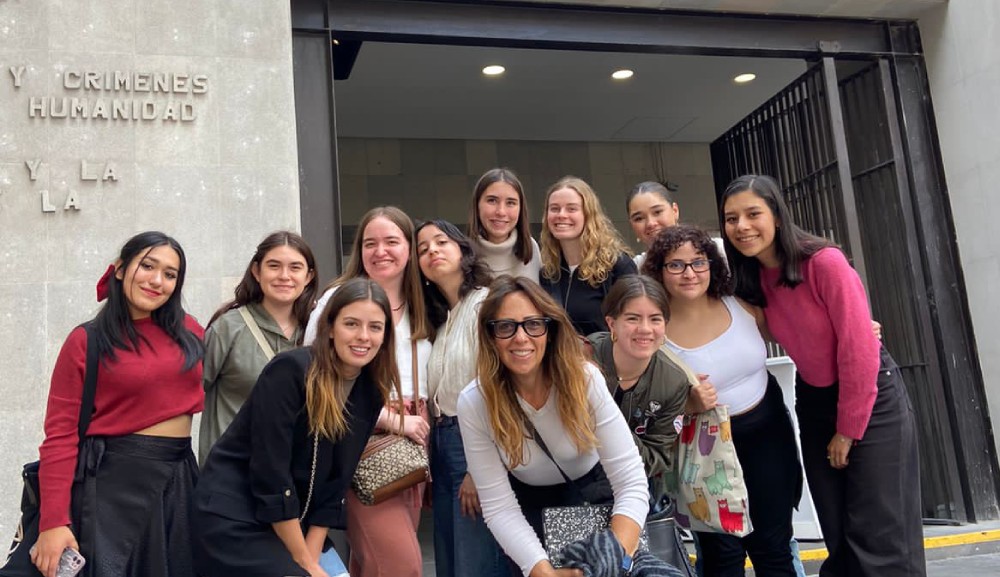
<point>506,328</point>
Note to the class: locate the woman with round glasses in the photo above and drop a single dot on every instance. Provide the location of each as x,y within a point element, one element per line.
<point>718,335</point>
<point>535,389</point>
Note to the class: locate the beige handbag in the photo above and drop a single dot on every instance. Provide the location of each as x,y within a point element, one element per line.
<point>391,463</point>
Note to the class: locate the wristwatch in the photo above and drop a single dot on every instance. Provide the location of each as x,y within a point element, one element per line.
<point>627,563</point>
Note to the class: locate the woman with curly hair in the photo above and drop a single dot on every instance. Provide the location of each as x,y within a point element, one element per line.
<point>535,389</point>
<point>582,253</point>
<point>718,335</point>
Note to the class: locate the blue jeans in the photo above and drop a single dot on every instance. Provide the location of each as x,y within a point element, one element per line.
<point>463,546</point>
<point>331,563</point>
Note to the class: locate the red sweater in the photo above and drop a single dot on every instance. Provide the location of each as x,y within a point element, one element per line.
<point>136,391</point>
<point>825,326</point>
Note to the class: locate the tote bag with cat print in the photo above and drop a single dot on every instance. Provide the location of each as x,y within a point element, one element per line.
<point>706,479</point>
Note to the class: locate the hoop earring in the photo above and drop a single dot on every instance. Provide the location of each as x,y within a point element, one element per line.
<point>614,337</point>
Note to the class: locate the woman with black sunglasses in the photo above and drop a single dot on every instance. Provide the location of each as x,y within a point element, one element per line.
<point>538,408</point>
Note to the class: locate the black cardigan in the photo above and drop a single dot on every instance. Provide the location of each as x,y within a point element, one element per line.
<point>259,469</point>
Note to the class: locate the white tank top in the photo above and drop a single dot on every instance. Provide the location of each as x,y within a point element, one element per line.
<point>735,361</point>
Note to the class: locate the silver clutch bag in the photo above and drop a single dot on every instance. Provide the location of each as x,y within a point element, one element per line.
<point>564,525</point>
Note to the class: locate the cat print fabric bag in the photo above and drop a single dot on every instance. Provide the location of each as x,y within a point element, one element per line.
<point>706,479</point>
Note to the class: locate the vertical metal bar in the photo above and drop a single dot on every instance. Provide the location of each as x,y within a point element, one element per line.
<point>850,210</point>
<point>958,488</point>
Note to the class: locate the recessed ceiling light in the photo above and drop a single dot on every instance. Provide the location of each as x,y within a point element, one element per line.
<point>744,78</point>
<point>622,74</point>
<point>493,70</point>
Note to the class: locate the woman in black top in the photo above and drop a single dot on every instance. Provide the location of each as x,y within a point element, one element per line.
<point>275,482</point>
<point>582,253</point>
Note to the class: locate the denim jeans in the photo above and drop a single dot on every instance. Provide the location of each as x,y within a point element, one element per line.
<point>331,563</point>
<point>463,546</point>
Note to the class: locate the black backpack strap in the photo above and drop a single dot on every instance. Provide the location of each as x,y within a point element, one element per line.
<point>89,382</point>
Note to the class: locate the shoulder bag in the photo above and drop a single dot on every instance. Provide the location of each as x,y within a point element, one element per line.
<point>391,463</point>
<point>18,563</point>
<point>565,525</point>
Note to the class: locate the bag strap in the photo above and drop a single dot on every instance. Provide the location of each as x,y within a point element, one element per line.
<point>312,478</point>
<point>89,383</point>
<point>255,331</point>
<point>545,449</point>
<point>416,375</point>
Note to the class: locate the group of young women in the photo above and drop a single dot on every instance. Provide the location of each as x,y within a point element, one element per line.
<point>423,311</point>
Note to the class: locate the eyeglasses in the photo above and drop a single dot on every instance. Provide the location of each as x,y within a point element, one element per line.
<point>679,266</point>
<point>506,328</point>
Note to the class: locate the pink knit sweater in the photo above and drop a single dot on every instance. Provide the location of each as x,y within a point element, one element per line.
<point>825,326</point>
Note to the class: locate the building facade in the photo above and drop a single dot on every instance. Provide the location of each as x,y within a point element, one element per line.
<point>215,121</point>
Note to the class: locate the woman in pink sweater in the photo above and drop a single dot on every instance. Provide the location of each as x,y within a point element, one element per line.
<point>857,428</point>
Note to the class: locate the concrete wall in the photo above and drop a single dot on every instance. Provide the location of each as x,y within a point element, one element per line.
<point>218,182</point>
<point>435,178</point>
<point>962,47</point>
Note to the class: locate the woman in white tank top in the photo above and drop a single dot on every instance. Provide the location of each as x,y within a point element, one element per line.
<point>717,335</point>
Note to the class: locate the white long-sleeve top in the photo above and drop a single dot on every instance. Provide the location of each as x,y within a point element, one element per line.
<point>616,452</point>
<point>453,357</point>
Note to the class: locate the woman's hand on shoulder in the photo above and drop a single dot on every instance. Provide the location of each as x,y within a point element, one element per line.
<point>47,550</point>
<point>701,397</point>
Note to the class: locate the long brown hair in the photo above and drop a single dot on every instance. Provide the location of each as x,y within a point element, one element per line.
<point>413,294</point>
<point>600,243</point>
<point>326,395</point>
<point>562,368</point>
<point>522,247</point>
<point>249,291</point>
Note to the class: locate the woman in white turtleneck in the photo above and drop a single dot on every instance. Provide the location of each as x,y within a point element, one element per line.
<point>498,226</point>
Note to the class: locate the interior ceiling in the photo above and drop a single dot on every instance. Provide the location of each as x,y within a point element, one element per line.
<point>434,91</point>
<point>842,8</point>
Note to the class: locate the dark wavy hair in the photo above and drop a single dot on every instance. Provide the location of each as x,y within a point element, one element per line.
<point>475,272</point>
<point>522,247</point>
<point>671,238</point>
<point>113,324</point>
<point>792,244</point>
<point>249,291</point>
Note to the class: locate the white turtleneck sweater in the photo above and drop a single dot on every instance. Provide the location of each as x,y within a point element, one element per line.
<point>501,260</point>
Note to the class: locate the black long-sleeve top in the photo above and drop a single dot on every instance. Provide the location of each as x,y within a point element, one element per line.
<point>259,470</point>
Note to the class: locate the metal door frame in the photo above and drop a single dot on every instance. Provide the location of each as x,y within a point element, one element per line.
<point>828,40</point>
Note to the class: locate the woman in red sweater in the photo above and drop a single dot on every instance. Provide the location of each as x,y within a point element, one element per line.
<point>859,442</point>
<point>126,506</point>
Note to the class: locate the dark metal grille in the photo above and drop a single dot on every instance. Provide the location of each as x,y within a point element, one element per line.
<point>794,137</point>
<point>895,279</point>
<point>790,138</point>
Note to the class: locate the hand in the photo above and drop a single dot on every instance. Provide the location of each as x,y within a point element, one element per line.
<point>468,497</point>
<point>315,570</point>
<point>837,450</point>
<point>702,397</point>
<point>877,329</point>
<point>415,428</point>
<point>545,569</point>
<point>51,543</point>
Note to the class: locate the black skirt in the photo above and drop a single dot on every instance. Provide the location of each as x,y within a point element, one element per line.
<point>133,505</point>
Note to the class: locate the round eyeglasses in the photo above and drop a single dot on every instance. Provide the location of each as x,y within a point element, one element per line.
<point>679,266</point>
<point>506,328</point>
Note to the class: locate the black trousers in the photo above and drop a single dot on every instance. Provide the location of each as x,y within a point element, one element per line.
<point>765,445</point>
<point>869,511</point>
